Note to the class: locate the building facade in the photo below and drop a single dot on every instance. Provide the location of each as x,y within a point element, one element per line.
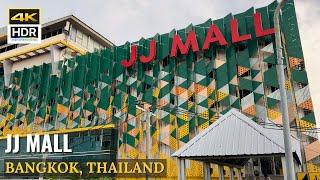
<point>186,91</point>
<point>61,39</point>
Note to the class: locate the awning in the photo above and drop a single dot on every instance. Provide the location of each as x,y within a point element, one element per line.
<point>234,138</point>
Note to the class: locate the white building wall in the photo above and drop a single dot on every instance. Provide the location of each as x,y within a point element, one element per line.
<point>83,40</point>
<point>30,62</point>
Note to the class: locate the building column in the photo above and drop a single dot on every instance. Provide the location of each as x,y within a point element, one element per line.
<point>181,169</point>
<point>239,174</point>
<point>221,174</point>
<point>7,69</point>
<point>274,166</point>
<point>284,168</point>
<point>206,171</point>
<point>231,173</point>
<point>54,57</point>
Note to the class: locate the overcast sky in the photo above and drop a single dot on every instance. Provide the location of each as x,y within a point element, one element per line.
<point>129,20</point>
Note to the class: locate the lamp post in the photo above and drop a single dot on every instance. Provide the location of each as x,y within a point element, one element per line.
<point>284,104</point>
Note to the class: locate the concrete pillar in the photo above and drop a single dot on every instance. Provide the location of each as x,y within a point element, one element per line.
<point>206,171</point>
<point>274,167</point>
<point>259,167</point>
<point>181,169</point>
<point>249,168</point>
<point>231,173</point>
<point>54,58</point>
<point>239,174</point>
<point>284,168</point>
<point>221,175</point>
<point>7,69</point>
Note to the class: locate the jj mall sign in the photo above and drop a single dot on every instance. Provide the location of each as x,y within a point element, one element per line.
<point>213,35</point>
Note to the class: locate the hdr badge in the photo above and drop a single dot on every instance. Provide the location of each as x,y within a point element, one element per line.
<point>24,26</point>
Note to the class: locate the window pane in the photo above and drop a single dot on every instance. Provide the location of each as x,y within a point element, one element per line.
<point>73,34</point>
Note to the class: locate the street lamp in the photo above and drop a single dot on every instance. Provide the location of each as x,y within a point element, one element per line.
<point>283,95</point>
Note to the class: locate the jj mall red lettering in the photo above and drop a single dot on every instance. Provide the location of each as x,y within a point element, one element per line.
<point>214,35</point>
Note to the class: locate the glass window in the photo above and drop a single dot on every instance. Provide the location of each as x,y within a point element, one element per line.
<point>73,34</point>
<point>96,46</point>
<point>85,40</point>
<point>79,37</point>
<point>60,31</point>
<point>90,44</point>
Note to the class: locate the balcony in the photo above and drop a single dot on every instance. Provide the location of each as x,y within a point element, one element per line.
<point>31,50</point>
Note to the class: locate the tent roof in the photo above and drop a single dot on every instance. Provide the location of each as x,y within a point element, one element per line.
<point>234,135</point>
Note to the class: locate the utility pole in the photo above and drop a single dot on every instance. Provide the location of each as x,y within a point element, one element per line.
<point>284,104</point>
<point>147,119</point>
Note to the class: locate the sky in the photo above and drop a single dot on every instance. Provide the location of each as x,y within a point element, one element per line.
<point>129,20</point>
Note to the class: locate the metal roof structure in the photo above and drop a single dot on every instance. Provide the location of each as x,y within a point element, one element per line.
<point>235,135</point>
<point>80,24</point>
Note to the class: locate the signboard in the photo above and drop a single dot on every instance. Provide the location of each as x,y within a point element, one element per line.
<point>213,35</point>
